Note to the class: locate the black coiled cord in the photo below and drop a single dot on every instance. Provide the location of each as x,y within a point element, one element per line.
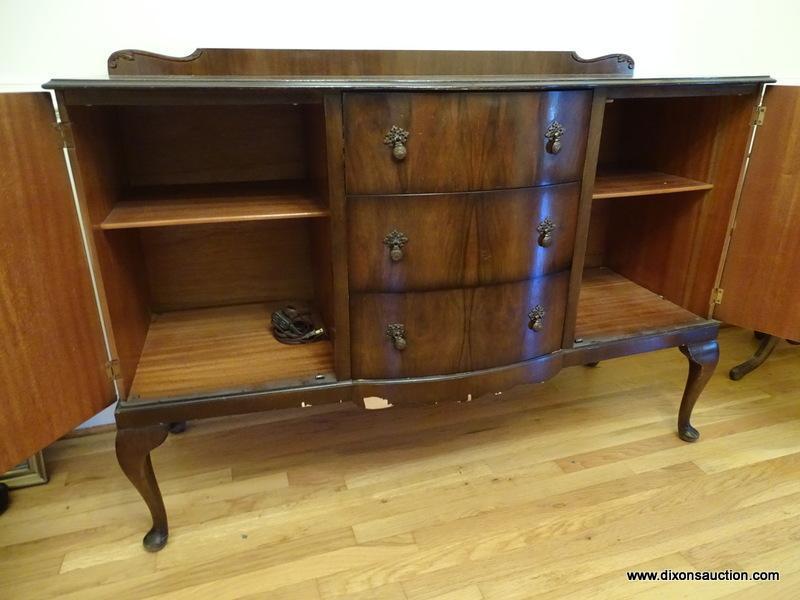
<point>293,325</point>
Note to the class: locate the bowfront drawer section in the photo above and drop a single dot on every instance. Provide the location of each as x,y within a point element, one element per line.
<point>435,241</point>
<point>451,331</point>
<point>526,233</point>
<point>513,322</point>
<point>463,141</point>
<point>406,335</point>
<point>406,243</point>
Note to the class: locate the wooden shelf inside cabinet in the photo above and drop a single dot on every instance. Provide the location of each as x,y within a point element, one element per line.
<point>613,307</point>
<point>160,206</point>
<point>624,184</point>
<point>217,351</point>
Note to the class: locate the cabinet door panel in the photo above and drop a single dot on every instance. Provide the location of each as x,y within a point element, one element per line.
<point>52,372</point>
<point>761,277</point>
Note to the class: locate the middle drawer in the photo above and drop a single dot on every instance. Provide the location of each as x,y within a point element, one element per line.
<point>433,241</point>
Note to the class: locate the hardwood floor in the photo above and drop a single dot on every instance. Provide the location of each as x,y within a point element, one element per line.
<point>551,491</point>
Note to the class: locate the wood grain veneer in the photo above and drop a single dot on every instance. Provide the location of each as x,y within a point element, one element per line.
<point>194,266</point>
<point>457,330</point>
<point>582,228</point>
<point>481,237</point>
<point>446,259</point>
<point>334,278</point>
<point>203,144</point>
<point>218,203</point>
<point>462,141</point>
<point>250,62</point>
<point>622,184</point>
<point>52,371</point>
<point>507,224</point>
<point>613,307</point>
<point>761,276</point>
<point>223,350</point>
<point>700,138</point>
<point>120,269</point>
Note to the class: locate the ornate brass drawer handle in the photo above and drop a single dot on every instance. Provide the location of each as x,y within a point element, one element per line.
<point>397,333</point>
<point>536,318</point>
<point>554,133</point>
<point>397,138</point>
<point>395,242</point>
<point>546,229</point>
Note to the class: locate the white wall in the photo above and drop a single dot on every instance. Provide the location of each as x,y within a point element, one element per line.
<point>47,38</point>
<point>40,39</point>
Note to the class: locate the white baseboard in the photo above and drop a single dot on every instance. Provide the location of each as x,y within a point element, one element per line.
<point>104,417</point>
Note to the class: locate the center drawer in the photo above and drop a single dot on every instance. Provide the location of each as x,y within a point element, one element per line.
<point>452,331</point>
<point>463,141</point>
<point>434,241</point>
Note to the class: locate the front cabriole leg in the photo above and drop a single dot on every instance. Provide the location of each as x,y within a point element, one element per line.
<point>703,358</point>
<point>133,453</point>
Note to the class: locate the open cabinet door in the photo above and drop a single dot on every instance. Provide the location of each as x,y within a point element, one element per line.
<point>761,274</point>
<point>53,362</point>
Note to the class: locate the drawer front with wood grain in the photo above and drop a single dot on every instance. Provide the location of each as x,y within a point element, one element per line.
<point>450,331</point>
<point>525,233</point>
<point>513,322</point>
<point>435,241</point>
<point>408,243</point>
<point>407,335</point>
<point>463,141</point>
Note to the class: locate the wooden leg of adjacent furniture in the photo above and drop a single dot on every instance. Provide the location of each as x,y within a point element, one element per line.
<point>133,453</point>
<point>765,348</point>
<point>703,358</point>
<point>177,427</point>
<point>3,498</point>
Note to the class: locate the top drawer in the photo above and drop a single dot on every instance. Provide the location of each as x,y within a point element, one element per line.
<point>463,141</point>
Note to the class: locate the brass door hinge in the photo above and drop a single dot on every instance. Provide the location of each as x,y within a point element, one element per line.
<point>112,370</point>
<point>65,129</point>
<point>716,295</point>
<point>759,115</point>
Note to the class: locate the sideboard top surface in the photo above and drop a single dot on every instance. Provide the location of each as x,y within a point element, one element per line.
<point>380,83</point>
<point>437,70</point>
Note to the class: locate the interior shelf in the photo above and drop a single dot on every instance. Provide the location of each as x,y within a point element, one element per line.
<point>613,307</point>
<point>627,183</point>
<point>200,352</point>
<point>159,206</point>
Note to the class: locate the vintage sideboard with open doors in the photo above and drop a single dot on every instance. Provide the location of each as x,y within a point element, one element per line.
<point>460,223</point>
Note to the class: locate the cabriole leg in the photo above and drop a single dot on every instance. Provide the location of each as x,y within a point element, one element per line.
<point>765,348</point>
<point>133,453</point>
<point>703,358</point>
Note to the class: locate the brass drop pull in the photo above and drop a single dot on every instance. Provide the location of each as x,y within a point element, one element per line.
<point>536,318</point>
<point>553,135</point>
<point>395,242</point>
<point>546,229</point>
<point>397,138</point>
<point>397,333</point>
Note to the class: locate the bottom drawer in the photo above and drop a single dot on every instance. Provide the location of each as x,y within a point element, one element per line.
<point>451,331</point>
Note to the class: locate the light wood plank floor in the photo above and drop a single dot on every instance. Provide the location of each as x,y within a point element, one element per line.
<point>550,491</point>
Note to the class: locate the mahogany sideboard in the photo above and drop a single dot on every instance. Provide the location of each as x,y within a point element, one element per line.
<point>461,222</point>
